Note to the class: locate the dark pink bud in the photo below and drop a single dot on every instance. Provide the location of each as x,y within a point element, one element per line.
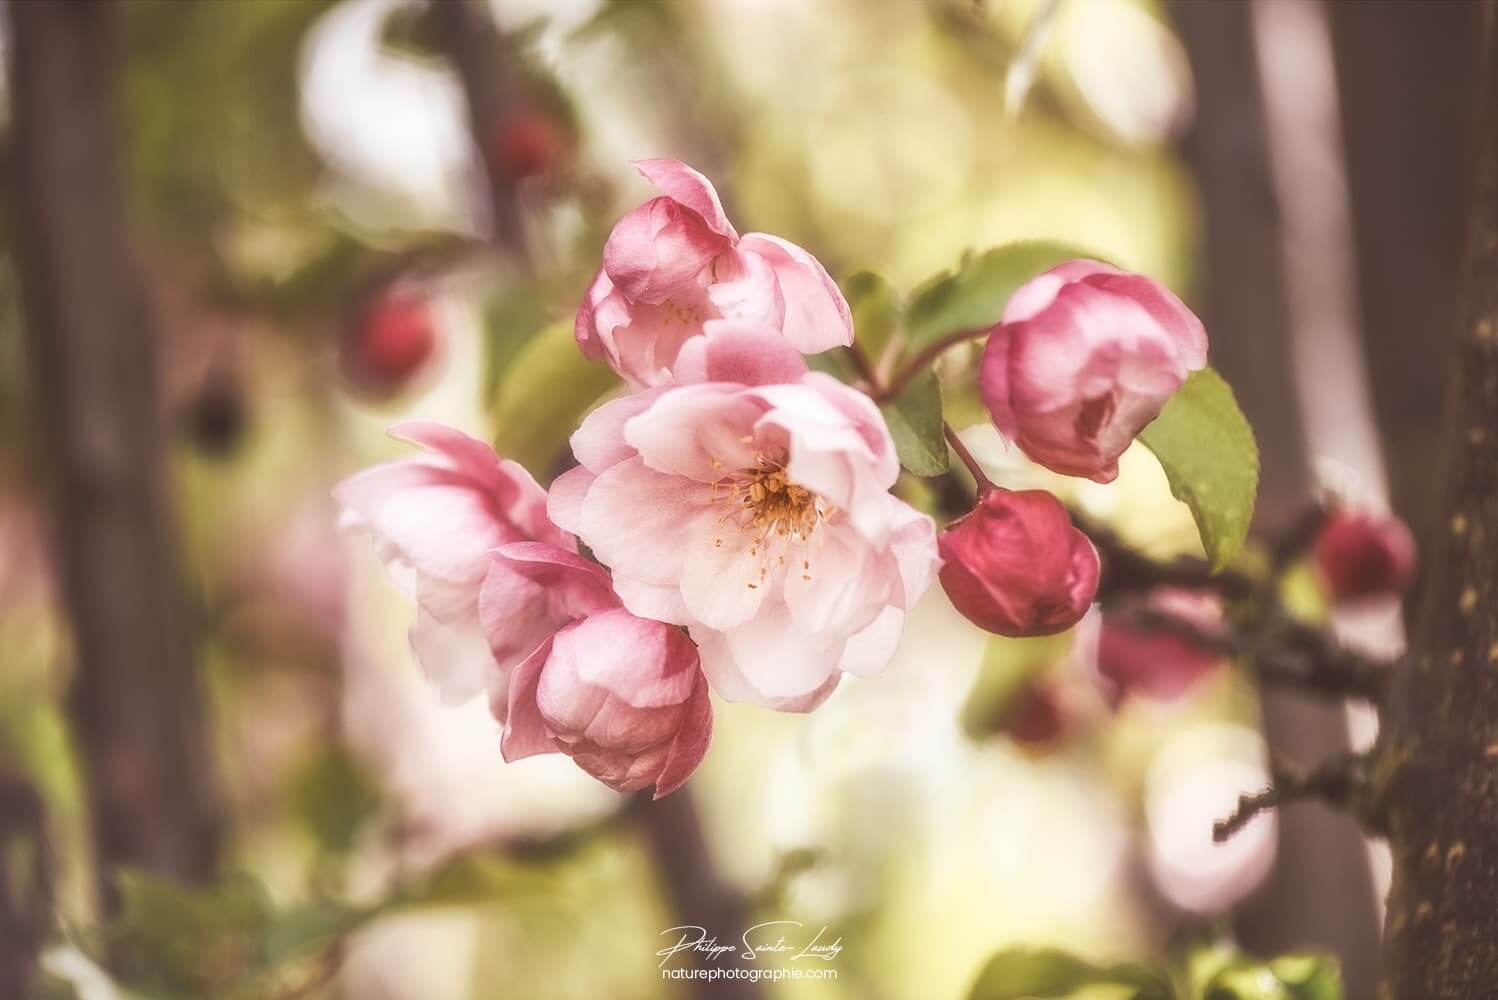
<point>389,343</point>
<point>1360,555</point>
<point>528,143</point>
<point>1156,662</point>
<point>1040,716</point>
<point>1016,566</point>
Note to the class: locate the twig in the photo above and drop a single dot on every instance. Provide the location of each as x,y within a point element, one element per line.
<point>923,360</point>
<point>985,485</point>
<point>1338,782</point>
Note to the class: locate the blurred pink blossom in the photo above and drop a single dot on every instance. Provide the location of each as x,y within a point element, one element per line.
<point>1155,662</point>
<point>1359,555</point>
<point>676,262</point>
<point>1085,357</point>
<point>752,505</point>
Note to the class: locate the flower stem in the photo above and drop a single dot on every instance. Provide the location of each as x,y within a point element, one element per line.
<point>923,360</point>
<point>985,485</point>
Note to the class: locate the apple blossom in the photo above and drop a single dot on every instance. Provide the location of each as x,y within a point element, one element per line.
<point>1016,566</point>
<point>1137,658</point>
<point>676,262</point>
<point>751,505</point>
<point>1085,356</point>
<point>434,520</point>
<point>1359,554</point>
<point>622,696</point>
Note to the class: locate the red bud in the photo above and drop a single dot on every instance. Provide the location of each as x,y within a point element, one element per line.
<point>1155,662</point>
<point>1359,555</point>
<point>1016,566</point>
<point>390,343</point>
<point>528,143</point>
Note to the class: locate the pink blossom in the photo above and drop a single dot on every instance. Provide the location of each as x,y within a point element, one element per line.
<point>434,520</point>
<point>676,262</point>
<point>752,505</point>
<point>1155,662</point>
<point>1016,566</point>
<point>1085,357</point>
<point>623,697</point>
<point>1360,555</point>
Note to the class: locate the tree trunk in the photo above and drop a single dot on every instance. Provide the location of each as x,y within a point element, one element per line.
<point>134,702</point>
<point>1319,893</point>
<point>1439,755</point>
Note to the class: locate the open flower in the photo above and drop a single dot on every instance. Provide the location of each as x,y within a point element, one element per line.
<point>1015,565</point>
<point>676,262</point>
<point>434,520</point>
<point>752,506</point>
<point>622,696</point>
<point>1085,357</point>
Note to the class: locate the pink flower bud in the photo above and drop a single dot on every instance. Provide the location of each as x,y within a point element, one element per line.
<point>622,696</point>
<point>1155,662</point>
<point>1359,555</point>
<point>1085,357</point>
<point>1016,566</point>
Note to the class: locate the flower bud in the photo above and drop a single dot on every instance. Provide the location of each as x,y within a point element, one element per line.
<point>1153,661</point>
<point>624,697</point>
<point>1040,716</point>
<point>1360,555</point>
<point>528,143</point>
<point>1085,357</point>
<point>389,343</point>
<point>1016,566</point>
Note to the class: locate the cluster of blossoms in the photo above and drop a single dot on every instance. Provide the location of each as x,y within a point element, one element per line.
<point>734,505</point>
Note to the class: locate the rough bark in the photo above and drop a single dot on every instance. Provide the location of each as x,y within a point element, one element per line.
<point>1320,892</point>
<point>133,702</point>
<point>1439,753</point>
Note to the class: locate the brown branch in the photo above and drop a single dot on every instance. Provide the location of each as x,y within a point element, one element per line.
<point>485,62</point>
<point>923,360</point>
<point>1340,781</point>
<point>134,700</point>
<point>25,883</point>
<point>699,896</point>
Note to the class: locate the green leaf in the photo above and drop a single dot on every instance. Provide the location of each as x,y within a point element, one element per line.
<point>975,294</point>
<point>1207,449</point>
<point>876,308</point>
<point>916,424</point>
<point>542,395</point>
<point>1046,973</point>
<point>1290,977</point>
<point>333,796</point>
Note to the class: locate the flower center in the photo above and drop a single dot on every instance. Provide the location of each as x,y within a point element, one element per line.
<point>775,510</point>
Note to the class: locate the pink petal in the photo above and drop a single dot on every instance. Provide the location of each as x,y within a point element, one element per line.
<point>565,503</point>
<point>678,181</point>
<point>455,658</point>
<point>724,576</point>
<point>638,522</point>
<point>690,745</point>
<point>817,317</point>
<point>651,600</point>
<point>869,651</point>
<point>599,442</point>
<point>741,352</point>
<point>696,431</point>
<point>658,249</point>
<point>525,732</point>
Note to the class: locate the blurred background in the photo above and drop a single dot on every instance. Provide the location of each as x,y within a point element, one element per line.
<point>242,237</point>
